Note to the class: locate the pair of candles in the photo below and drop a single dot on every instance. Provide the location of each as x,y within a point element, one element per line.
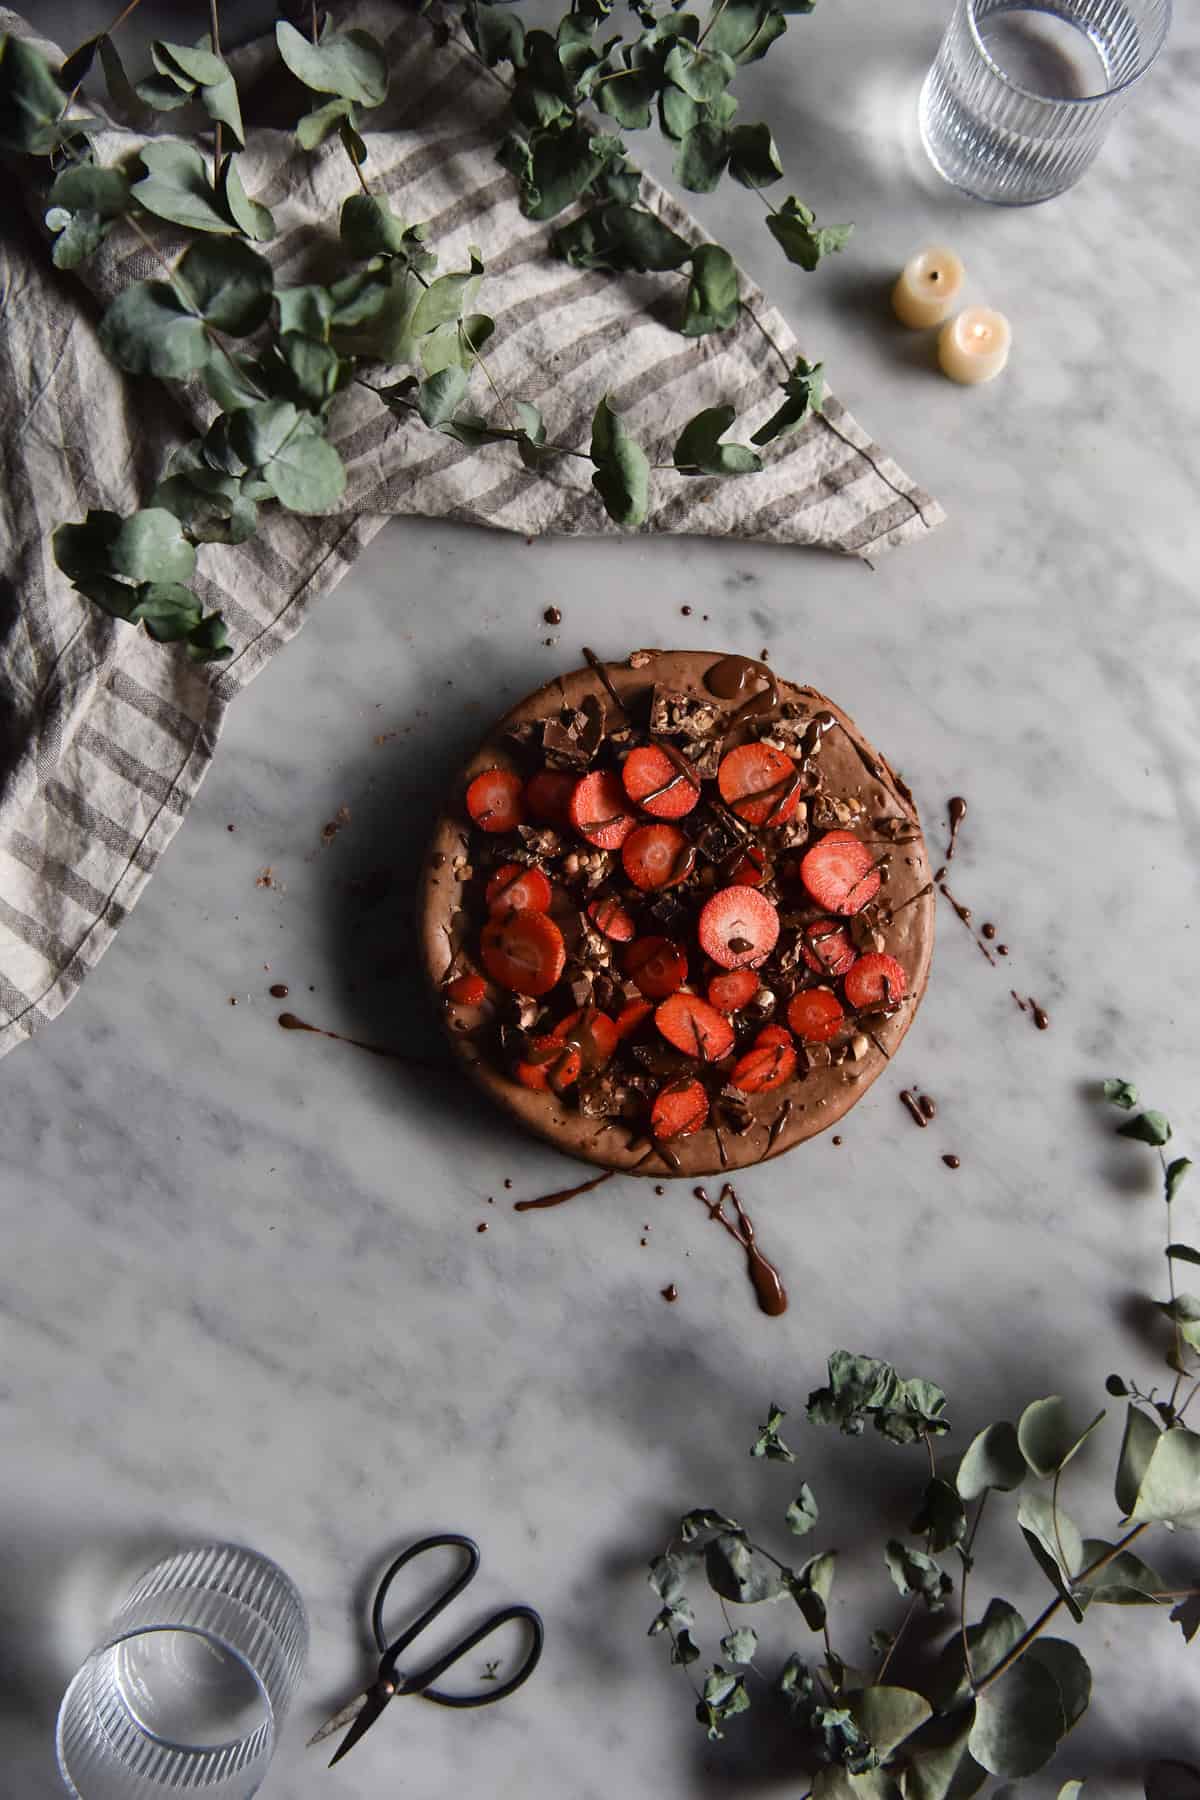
<point>972,346</point>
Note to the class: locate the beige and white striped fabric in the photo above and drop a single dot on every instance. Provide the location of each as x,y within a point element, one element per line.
<point>105,736</point>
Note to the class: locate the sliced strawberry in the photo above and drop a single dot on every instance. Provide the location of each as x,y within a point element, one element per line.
<point>600,810</point>
<point>679,1110</point>
<point>610,917</point>
<point>738,928</point>
<point>514,888</point>
<point>763,1068</point>
<point>550,1064</point>
<point>815,1015</point>
<point>876,980</point>
<point>657,965</point>
<point>762,785</point>
<point>695,1027</point>
<point>839,873</point>
<point>657,784</point>
<point>729,993</point>
<point>524,952</point>
<point>494,800</point>
<point>750,870</point>
<point>467,990</point>
<point>773,1034</point>
<point>593,1034</point>
<point>657,856</point>
<point>632,1017</point>
<point>826,948</point>
<point>548,795</point>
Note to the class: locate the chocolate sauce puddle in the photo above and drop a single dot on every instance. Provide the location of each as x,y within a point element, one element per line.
<point>290,1022</point>
<point>764,1276</point>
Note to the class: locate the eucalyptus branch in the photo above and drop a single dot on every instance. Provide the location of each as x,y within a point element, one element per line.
<point>215,32</point>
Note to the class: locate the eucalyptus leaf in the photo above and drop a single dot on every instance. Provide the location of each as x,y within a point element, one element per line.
<point>498,36</point>
<point>1183,1253</point>
<point>1018,1721</point>
<point>563,165</point>
<point>369,227</point>
<point>844,1784</point>
<point>737,1572</point>
<point>1123,1581</point>
<point>1067,1665</point>
<point>943,1769</point>
<point>123,99</point>
<point>209,641</point>
<point>622,474</point>
<point>739,1646</point>
<point>668,1577</point>
<point>768,1443</point>
<point>711,302</point>
<point>1147,1128</point>
<point>306,309</point>
<point>439,397</point>
<point>989,1642</point>
<point>702,74</point>
<point>887,1716</point>
<point>86,187</point>
<point>942,1517</point>
<point>1054,1541</point>
<point>697,451</point>
<point>753,158</point>
<point>621,237</point>
<point>1137,1447</point>
<point>811,1587</point>
<point>160,93</point>
<point>1071,1790</point>
<point>1174,1176</point>
<point>84,550</point>
<point>865,1387</point>
<point>701,158</point>
<point>724,1696</point>
<point>1184,1313</point>
<point>802,1514</point>
<point>177,187</point>
<point>1170,1487</point>
<point>253,220</point>
<point>626,96</point>
<point>1121,1093</point>
<point>150,546</point>
<point>992,1459</point>
<point>702,1519</point>
<point>683,1648</point>
<point>306,474</point>
<point>677,112</point>
<point>1047,1438</point>
<point>1187,1614</point>
<point>315,126</point>
<point>230,284</point>
<point>31,101</point>
<point>915,1573</point>
<point>148,331</point>
<point>194,63</point>
<point>303,370</point>
<point>803,391</point>
<point>78,235</point>
<point>794,228</point>
<point>350,64</point>
<point>745,29</point>
<point>447,298</point>
<point>167,609</point>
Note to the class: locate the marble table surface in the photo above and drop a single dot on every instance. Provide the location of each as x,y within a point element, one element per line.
<point>244,1292</point>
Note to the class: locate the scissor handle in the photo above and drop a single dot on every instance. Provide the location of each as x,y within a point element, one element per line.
<point>421,1683</point>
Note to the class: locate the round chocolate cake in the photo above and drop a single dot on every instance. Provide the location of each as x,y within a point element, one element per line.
<point>678,915</point>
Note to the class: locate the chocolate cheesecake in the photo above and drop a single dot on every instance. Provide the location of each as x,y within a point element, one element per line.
<point>678,915</point>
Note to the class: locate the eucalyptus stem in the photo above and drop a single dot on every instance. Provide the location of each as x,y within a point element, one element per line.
<point>716,15</point>
<point>215,29</point>
<point>764,333</point>
<point>1039,1624</point>
<point>107,32</point>
<point>962,1587</point>
<point>1171,1284</point>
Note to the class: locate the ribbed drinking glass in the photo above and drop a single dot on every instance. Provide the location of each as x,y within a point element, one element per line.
<point>191,1683</point>
<point>1021,96</point>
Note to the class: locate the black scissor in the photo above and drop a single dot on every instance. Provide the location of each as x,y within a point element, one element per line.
<point>391,1681</point>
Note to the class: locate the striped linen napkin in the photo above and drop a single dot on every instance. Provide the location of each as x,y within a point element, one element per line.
<point>104,735</point>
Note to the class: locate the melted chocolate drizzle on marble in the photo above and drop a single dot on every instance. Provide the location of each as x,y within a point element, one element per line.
<point>289,1022</point>
<point>956,810</point>
<point>764,1276</point>
<point>562,1194</point>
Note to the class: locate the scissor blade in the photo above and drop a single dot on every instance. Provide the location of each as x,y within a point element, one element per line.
<point>339,1721</point>
<point>373,1703</point>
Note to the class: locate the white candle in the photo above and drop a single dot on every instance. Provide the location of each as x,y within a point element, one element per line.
<point>928,288</point>
<point>974,346</point>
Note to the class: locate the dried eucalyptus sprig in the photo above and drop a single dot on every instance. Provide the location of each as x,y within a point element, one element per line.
<point>1002,1694</point>
<point>274,359</point>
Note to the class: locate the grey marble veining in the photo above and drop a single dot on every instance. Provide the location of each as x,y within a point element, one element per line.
<point>242,1291</point>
